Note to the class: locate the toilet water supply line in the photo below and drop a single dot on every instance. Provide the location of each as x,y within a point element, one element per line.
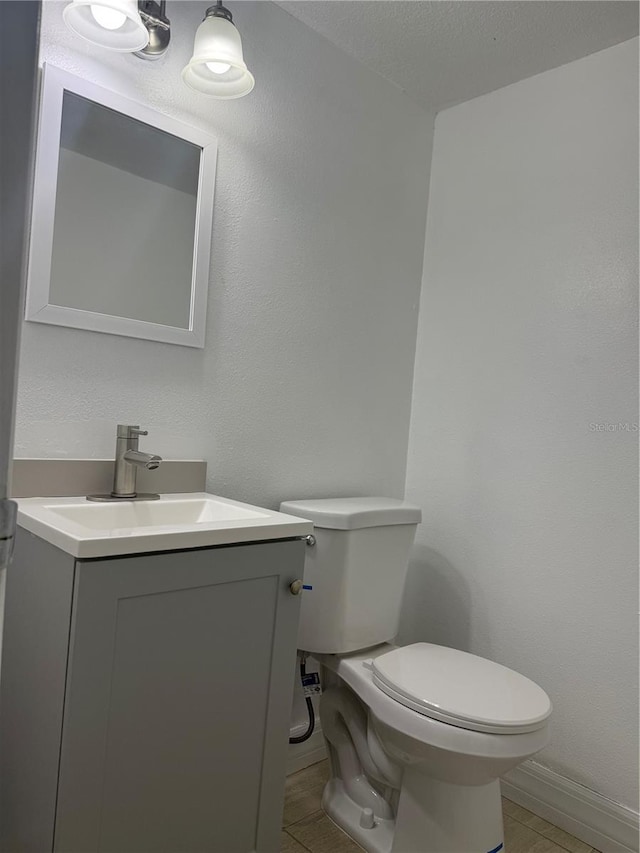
<point>312,717</point>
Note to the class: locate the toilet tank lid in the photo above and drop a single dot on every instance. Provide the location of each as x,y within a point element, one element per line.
<point>354,513</point>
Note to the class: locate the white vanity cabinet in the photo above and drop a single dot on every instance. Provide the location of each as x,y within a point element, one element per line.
<point>145,699</point>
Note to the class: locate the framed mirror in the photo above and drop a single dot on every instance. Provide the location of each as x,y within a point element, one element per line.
<point>122,214</point>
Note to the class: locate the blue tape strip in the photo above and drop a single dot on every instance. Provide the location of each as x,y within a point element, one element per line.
<point>495,849</point>
<point>308,586</point>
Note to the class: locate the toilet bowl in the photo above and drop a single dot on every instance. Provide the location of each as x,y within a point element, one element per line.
<point>418,736</point>
<point>438,781</point>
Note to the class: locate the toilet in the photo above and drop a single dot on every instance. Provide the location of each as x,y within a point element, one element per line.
<point>418,736</point>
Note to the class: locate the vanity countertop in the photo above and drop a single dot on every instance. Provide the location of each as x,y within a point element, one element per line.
<point>174,522</point>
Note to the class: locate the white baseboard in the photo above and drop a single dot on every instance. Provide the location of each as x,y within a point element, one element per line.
<point>302,755</point>
<point>594,819</point>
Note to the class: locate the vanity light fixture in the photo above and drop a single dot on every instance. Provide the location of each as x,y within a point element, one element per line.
<point>217,67</point>
<point>115,24</point>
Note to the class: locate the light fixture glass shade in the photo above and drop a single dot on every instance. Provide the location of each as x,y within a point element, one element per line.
<point>218,44</point>
<point>83,17</point>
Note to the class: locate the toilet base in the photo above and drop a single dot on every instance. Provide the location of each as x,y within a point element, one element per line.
<point>349,816</point>
<point>433,817</point>
<point>440,817</point>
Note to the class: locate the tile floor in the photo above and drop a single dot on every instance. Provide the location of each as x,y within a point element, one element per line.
<point>306,829</point>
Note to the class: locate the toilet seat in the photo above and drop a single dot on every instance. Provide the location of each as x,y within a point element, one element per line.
<point>461,689</point>
<point>421,734</point>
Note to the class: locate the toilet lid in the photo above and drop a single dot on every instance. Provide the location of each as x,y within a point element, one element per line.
<point>461,689</point>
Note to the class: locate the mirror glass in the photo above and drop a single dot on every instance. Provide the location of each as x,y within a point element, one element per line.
<point>123,183</point>
<point>121,234</point>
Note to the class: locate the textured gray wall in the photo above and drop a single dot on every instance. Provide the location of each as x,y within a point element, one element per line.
<point>527,342</point>
<point>304,387</point>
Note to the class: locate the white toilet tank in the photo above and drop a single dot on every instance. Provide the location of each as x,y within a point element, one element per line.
<point>356,569</point>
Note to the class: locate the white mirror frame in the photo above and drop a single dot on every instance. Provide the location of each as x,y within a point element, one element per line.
<point>38,309</point>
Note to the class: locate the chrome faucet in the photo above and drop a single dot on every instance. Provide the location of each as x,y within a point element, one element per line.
<point>128,460</point>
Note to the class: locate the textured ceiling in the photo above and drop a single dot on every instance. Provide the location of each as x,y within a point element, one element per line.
<point>447,51</point>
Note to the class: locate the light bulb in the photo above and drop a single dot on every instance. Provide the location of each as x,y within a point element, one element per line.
<point>110,19</point>
<point>218,67</point>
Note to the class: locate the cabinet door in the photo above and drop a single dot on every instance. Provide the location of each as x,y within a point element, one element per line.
<point>178,699</point>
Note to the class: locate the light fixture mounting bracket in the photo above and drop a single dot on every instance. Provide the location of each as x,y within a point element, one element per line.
<point>158,26</point>
<point>219,11</point>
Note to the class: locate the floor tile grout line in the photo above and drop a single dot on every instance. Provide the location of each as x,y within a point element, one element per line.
<point>546,837</point>
<point>296,822</point>
<point>297,841</point>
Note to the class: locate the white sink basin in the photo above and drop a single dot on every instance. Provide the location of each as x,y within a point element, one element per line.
<point>171,511</point>
<point>198,520</point>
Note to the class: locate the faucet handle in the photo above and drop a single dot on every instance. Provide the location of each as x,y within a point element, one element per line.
<point>130,431</point>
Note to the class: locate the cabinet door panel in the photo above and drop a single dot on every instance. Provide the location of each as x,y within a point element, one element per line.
<point>170,701</point>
